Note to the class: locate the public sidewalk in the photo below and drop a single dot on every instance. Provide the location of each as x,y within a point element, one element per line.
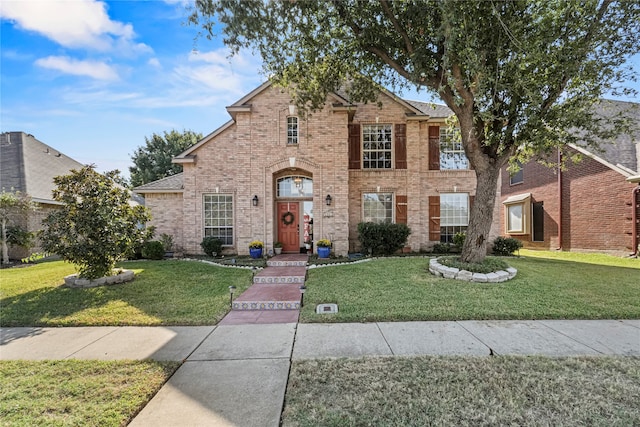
<point>236,375</point>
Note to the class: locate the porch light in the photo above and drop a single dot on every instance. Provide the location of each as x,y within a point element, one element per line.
<point>303,289</point>
<point>255,200</point>
<point>232,289</point>
<point>328,199</point>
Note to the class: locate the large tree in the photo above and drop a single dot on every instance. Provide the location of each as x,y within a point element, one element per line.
<point>153,160</point>
<point>522,77</point>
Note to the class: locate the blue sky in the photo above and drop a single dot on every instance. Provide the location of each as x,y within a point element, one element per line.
<point>94,78</point>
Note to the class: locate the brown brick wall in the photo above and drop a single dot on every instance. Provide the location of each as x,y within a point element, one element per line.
<point>167,215</point>
<point>596,206</point>
<point>247,158</point>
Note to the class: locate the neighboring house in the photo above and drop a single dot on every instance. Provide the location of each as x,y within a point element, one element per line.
<point>28,165</point>
<point>593,205</point>
<point>273,175</point>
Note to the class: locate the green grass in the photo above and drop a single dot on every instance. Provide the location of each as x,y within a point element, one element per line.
<point>77,392</point>
<point>163,293</point>
<point>548,286</point>
<point>464,391</point>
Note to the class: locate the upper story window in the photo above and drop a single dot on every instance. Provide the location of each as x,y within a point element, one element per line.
<point>517,177</point>
<point>292,130</point>
<point>376,146</point>
<point>451,150</point>
<point>378,207</point>
<point>218,217</point>
<point>295,186</point>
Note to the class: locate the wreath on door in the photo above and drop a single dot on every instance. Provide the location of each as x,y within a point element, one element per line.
<point>288,218</point>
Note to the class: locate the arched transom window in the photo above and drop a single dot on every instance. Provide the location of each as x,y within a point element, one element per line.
<point>295,186</point>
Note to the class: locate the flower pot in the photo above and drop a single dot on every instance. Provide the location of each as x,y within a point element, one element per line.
<point>278,251</point>
<point>323,252</point>
<point>255,253</point>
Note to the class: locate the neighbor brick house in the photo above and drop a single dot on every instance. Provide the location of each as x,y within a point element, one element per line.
<point>593,205</point>
<point>29,166</point>
<point>271,174</point>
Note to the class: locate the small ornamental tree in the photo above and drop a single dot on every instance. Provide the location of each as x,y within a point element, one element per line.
<point>13,207</point>
<point>96,226</point>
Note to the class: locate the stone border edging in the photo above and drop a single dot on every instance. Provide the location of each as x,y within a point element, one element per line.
<point>246,267</point>
<point>73,281</point>
<point>440,270</point>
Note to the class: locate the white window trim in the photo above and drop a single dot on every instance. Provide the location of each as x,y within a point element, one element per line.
<point>524,201</point>
<point>392,149</point>
<point>233,218</point>
<point>294,140</point>
<point>449,133</point>
<point>393,198</point>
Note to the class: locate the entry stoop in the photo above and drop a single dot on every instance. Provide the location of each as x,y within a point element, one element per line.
<point>269,297</point>
<point>274,296</point>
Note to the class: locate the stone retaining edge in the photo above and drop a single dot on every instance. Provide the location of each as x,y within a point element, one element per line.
<point>440,270</point>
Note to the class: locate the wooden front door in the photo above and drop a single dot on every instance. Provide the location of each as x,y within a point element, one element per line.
<point>289,234</point>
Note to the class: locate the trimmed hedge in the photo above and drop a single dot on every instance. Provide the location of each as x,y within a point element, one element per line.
<point>506,245</point>
<point>153,250</point>
<point>211,246</point>
<point>382,238</point>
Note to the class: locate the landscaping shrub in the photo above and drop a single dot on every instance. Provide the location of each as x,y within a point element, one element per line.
<point>458,239</point>
<point>383,238</point>
<point>506,246</point>
<point>153,250</point>
<point>211,246</point>
<point>441,248</point>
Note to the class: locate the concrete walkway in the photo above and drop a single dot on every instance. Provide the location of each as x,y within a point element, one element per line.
<point>236,375</point>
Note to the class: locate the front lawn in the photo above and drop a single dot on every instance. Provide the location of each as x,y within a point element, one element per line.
<point>549,285</point>
<point>464,391</point>
<point>163,293</point>
<point>78,392</point>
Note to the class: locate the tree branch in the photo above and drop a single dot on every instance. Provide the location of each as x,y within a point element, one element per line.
<point>389,13</point>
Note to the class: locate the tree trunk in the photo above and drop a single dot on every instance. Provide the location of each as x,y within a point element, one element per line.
<point>481,216</point>
<point>5,248</point>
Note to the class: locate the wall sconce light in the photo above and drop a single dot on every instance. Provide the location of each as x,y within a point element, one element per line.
<point>328,199</point>
<point>255,200</point>
<point>232,289</point>
<point>303,289</point>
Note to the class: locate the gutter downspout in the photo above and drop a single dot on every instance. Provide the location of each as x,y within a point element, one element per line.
<point>559,200</point>
<point>635,200</point>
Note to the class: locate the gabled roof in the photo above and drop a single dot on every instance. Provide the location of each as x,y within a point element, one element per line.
<point>170,184</point>
<point>436,111</point>
<point>621,154</point>
<point>29,166</point>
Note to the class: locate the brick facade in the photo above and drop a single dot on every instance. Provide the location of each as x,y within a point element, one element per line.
<point>594,206</point>
<point>245,157</point>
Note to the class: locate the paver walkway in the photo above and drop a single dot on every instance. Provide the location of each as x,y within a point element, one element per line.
<point>274,296</point>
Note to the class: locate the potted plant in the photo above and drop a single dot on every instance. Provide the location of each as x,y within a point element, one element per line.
<point>277,247</point>
<point>324,248</point>
<point>255,249</point>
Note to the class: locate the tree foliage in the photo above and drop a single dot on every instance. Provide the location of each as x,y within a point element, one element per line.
<point>13,209</point>
<point>96,224</point>
<point>153,160</point>
<point>521,76</point>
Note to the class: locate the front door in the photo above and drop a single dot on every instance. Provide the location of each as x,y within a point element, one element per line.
<point>289,226</point>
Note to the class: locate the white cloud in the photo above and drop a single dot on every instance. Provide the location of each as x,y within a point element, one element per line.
<point>154,62</point>
<point>94,69</point>
<point>73,24</point>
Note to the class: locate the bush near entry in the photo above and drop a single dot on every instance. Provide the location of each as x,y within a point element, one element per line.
<point>382,238</point>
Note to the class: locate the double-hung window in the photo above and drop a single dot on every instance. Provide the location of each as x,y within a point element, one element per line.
<point>218,217</point>
<point>377,146</point>
<point>452,154</point>
<point>454,215</point>
<point>378,207</point>
<point>292,130</point>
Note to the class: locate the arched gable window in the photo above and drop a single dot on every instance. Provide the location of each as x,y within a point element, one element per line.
<point>295,186</point>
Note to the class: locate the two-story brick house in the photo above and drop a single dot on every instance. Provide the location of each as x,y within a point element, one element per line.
<point>592,205</point>
<point>271,174</point>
